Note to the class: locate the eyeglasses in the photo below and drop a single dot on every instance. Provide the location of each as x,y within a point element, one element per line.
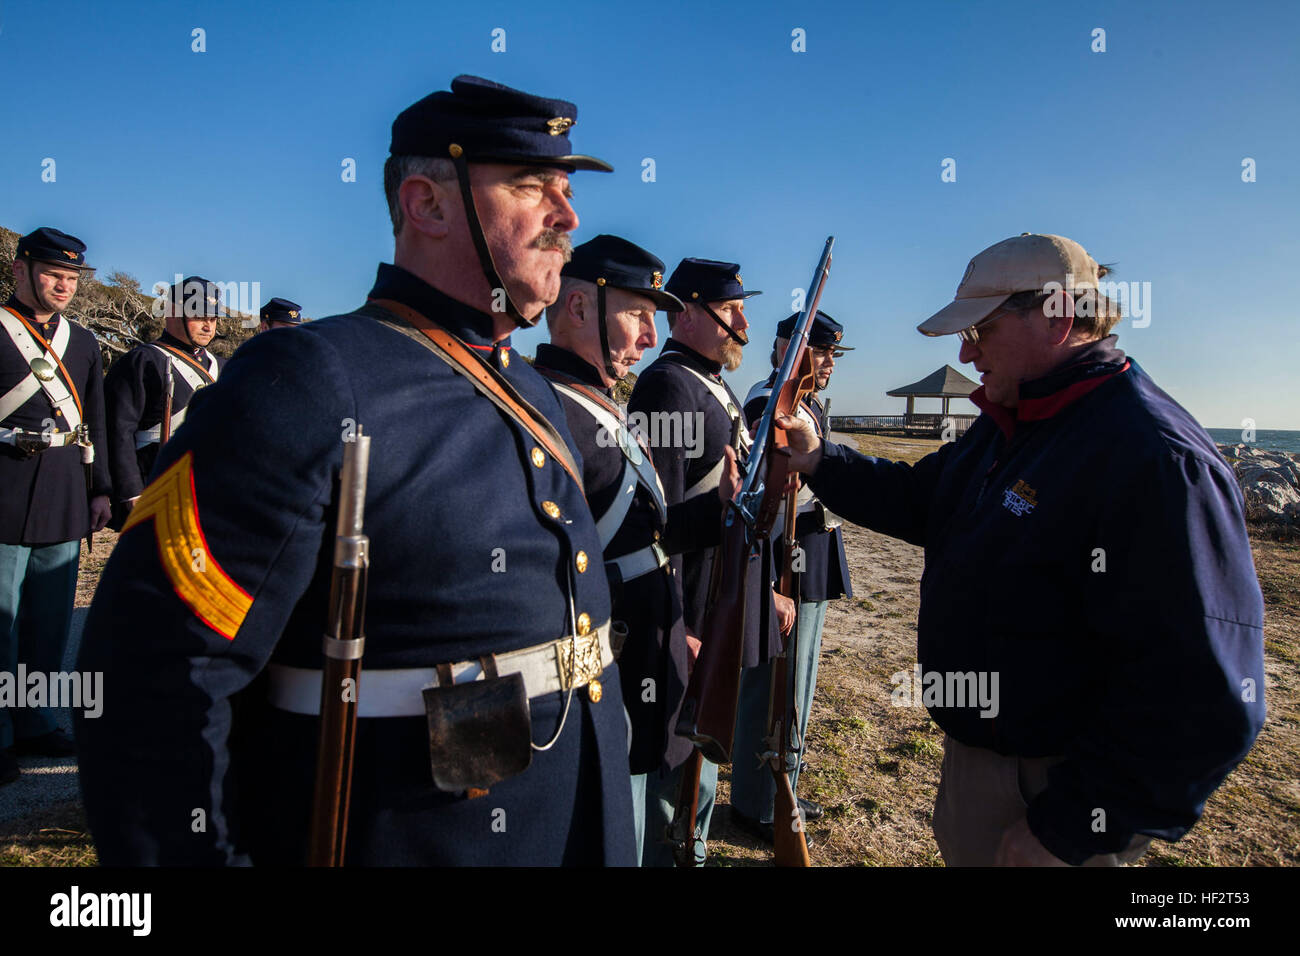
<point>972,335</point>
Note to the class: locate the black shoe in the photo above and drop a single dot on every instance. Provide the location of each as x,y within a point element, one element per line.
<point>803,767</point>
<point>811,810</point>
<point>54,744</point>
<point>9,771</point>
<point>755,828</point>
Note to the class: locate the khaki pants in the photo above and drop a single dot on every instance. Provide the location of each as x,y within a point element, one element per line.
<point>982,793</point>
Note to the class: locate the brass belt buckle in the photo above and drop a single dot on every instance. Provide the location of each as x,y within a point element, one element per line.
<point>579,662</point>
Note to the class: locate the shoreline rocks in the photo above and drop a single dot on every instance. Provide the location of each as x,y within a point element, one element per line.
<point>1269,480</point>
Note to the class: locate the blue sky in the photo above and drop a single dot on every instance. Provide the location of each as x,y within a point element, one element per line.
<point>226,163</point>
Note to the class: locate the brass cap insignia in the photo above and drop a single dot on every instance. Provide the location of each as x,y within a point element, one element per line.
<point>656,280</point>
<point>838,336</point>
<point>293,315</point>
<point>70,255</point>
<point>739,279</point>
<point>559,124</point>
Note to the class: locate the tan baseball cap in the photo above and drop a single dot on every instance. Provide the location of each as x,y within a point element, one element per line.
<point>1024,263</point>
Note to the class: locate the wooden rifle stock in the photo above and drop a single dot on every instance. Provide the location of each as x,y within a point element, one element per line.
<point>708,714</point>
<point>165,427</point>
<point>681,832</point>
<point>789,844</point>
<point>343,645</point>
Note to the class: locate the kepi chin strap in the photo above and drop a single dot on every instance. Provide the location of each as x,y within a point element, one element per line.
<point>480,241</point>
<point>604,331</point>
<point>723,325</point>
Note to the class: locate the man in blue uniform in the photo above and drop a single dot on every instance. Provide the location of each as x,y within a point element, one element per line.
<point>51,423</point>
<point>484,582</point>
<point>280,314</point>
<point>823,576</point>
<point>602,323</point>
<point>176,364</point>
<point>1091,627</point>
<point>686,382</point>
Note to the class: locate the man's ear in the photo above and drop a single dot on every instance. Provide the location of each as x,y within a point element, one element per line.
<point>1058,309</point>
<point>575,304</point>
<point>426,205</point>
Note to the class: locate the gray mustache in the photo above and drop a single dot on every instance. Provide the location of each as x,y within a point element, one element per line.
<point>554,239</point>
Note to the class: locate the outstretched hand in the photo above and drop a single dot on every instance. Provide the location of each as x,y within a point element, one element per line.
<point>805,446</point>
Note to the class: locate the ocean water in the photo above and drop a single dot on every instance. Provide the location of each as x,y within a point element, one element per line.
<point>1267,439</point>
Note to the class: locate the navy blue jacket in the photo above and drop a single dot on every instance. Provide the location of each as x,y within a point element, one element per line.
<point>465,561</point>
<point>44,498</point>
<point>668,386</point>
<point>651,604</point>
<point>1090,548</point>
<point>136,392</point>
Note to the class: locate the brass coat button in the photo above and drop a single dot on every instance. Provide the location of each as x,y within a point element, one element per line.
<point>594,691</point>
<point>584,624</point>
<point>581,561</point>
<point>551,508</point>
<point>539,459</point>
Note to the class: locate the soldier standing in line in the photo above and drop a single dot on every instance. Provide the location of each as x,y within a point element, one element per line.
<point>487,613</point>
<point>823,575</point>
<point>686,379</point>
<point>55,489</point>
<point>280,314</point>
<point>149,379</point>
<point>602,323</point>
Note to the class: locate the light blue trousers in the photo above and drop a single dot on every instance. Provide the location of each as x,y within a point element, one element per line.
<point>752,790</point>
<point>654,799</point>
<point>37,589</point>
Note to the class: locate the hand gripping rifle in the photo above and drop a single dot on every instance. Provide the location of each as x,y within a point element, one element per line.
<point>343,643</point>
<point>708,714</point>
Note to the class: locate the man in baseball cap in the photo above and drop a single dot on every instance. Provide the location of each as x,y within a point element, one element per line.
<point>1090,635</point>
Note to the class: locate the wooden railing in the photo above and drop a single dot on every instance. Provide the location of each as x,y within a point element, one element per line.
<point>916,425</point>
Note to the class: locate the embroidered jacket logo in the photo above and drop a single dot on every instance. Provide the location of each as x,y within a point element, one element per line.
<point>1020,499</point>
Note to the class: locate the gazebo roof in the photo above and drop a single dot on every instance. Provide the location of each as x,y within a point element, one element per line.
<point>945,382</point>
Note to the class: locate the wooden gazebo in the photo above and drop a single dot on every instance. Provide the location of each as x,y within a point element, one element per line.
<point>945,383</point>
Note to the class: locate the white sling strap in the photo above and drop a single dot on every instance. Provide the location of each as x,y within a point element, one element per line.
<point>188,371</point>
<point>637,467</point>
<point>713,478</point>
<point>147,436</point>
<point>55,389</point>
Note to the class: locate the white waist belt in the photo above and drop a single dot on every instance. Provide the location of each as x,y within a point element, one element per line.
<point>640,562</point>
<point>398,692</point>
<point>9,436</point>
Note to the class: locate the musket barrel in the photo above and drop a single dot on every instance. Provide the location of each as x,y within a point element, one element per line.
<point>342,646</point>
<point>764,433</point>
